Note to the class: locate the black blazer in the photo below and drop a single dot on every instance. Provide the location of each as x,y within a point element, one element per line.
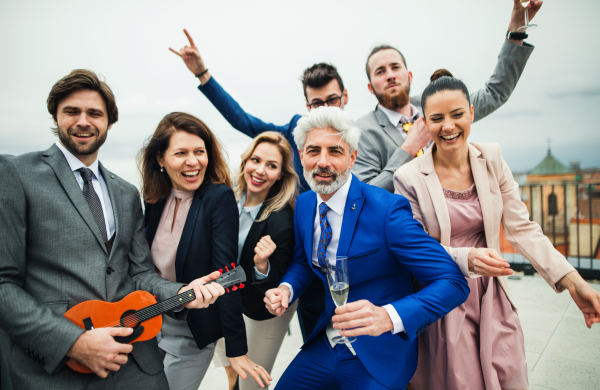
<point>280,226</point>
<point>208,243</point>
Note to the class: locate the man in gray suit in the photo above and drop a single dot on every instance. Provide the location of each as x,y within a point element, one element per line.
<point>72,231</point>
<point>386,142</point>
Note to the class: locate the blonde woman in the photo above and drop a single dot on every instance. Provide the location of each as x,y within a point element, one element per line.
<point>266,190</point>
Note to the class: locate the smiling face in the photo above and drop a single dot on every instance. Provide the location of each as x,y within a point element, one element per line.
<point>185,161</point>
<point>327,161</point>
<point>328,91</point>
<point>448,119</point>
<point>389,79</point>
<point>262,169</point>
<point>82,124</point>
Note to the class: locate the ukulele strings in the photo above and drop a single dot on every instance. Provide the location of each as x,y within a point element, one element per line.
<point>155,309</point>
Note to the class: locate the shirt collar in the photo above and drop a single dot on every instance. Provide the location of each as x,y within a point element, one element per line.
<point>76,163</point>
<point>396,117</point>
<point>253,210</point>
<point>338,201</point>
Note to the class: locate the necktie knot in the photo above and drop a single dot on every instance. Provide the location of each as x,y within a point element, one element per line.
<point>323,209</point>
<point>86,174</point>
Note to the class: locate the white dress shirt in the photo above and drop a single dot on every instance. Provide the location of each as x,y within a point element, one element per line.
<point>247,217</point>
<point>335,216</point>
<point>99,186</point>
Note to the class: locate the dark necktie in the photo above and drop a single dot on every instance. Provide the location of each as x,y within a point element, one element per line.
<point>93,201</point>
<point>325,234</point>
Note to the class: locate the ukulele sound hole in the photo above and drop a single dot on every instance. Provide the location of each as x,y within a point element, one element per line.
<point>130,319</point>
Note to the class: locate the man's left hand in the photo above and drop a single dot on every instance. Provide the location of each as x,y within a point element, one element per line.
<point>206,294</point>
<point>584,296</point>
<point>362,318</point>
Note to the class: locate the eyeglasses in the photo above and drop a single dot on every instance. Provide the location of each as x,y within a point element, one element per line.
<point>334,101</point>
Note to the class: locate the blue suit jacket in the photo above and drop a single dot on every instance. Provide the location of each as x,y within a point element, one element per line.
<point>248,124</point>
<point>385,246</point>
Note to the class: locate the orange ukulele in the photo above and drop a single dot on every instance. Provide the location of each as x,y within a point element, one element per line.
<point>139,311</point>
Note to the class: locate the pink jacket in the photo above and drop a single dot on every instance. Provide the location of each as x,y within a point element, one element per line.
<point>500,202</point>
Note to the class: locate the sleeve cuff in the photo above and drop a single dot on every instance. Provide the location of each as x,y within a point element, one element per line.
<point>261,276</point>
<point>291,290</point>
<point>396,320</point>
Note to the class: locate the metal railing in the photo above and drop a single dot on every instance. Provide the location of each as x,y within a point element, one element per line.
<point>569,214</point>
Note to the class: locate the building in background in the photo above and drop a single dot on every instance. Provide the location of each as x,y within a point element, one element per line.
<point>565,201</point>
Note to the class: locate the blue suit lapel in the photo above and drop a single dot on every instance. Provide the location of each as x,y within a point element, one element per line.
<point>188,229</point>
<point>306,225</point>
<point>354,204</point>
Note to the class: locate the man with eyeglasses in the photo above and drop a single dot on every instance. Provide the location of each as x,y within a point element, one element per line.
<point>386,142</point>
<point>322,86</point>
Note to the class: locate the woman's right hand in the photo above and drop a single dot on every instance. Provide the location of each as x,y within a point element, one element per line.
<point>487,262</point>
<point>243,365</point>
<point>264,248</point>
<point>191,56</point>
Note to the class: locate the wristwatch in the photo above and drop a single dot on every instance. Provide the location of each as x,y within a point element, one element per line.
<point>516,36</point>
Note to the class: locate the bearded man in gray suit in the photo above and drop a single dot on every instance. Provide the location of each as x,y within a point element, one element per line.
<point>386,142</point>
<point>72,231</point>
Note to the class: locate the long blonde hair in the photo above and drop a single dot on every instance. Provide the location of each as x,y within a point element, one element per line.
<point>286,188</point>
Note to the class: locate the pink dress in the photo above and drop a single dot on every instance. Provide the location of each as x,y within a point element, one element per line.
<point>479,345</point>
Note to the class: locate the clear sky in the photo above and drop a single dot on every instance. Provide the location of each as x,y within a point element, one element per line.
<point>258,50</point>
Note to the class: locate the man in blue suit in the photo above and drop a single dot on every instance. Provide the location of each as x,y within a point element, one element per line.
<point>385,246</point>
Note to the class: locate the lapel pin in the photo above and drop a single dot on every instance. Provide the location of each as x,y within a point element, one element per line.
<point>353,207</point>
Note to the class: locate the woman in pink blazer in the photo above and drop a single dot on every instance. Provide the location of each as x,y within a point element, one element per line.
<point>461,192</point>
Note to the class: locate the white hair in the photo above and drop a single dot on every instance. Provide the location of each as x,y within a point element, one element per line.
<point>327,118</point>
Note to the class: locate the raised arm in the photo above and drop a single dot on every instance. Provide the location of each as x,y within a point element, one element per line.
<point>227,106</point>
<point>511,62</point>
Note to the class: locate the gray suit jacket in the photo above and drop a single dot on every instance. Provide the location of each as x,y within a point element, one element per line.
<point>52,257</point>
<point>379,153</point>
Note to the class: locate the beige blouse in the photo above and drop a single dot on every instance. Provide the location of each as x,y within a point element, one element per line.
<point>168,233</point>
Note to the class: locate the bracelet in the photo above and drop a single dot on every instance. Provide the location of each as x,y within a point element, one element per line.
<point>202,73</point>
<point>516,36</point>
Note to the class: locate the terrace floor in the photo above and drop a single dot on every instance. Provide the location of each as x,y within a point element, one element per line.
<point>562,353</point>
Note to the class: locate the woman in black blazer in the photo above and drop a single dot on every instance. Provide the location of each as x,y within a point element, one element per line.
<point>191,226</point>
<point>266,190</point>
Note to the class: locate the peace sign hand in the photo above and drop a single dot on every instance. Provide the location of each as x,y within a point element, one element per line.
<point>191,56</point>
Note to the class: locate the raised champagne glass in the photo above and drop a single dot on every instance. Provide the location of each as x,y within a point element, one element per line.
<point>339,286</point>
<point>527,26</point>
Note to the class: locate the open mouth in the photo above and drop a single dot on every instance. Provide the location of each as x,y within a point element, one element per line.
<point>191,176</point>
<point>451,137</point>
<point>324,176</point>
<point>83,136</point>
<point>256,181</point>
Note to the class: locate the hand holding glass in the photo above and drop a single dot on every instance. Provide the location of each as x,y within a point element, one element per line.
<point>339,287</point>
<point>528,26</point>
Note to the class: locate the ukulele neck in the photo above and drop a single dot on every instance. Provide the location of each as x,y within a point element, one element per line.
<point>227,279</point>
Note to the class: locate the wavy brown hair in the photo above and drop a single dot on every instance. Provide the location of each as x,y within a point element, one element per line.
<point>77,80</point>
<point>285,189</point>
<point>156,185</point>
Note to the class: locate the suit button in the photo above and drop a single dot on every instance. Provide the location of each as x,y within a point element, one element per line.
<point>109,270</point>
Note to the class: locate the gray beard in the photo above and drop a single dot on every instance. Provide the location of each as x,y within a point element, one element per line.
<point>329,188</point>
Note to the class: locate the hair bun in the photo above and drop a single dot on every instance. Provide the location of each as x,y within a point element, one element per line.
<point>440,73</point>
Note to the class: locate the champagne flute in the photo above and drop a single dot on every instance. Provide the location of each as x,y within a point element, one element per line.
<point>527,26</point>
<point>339,287</point>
